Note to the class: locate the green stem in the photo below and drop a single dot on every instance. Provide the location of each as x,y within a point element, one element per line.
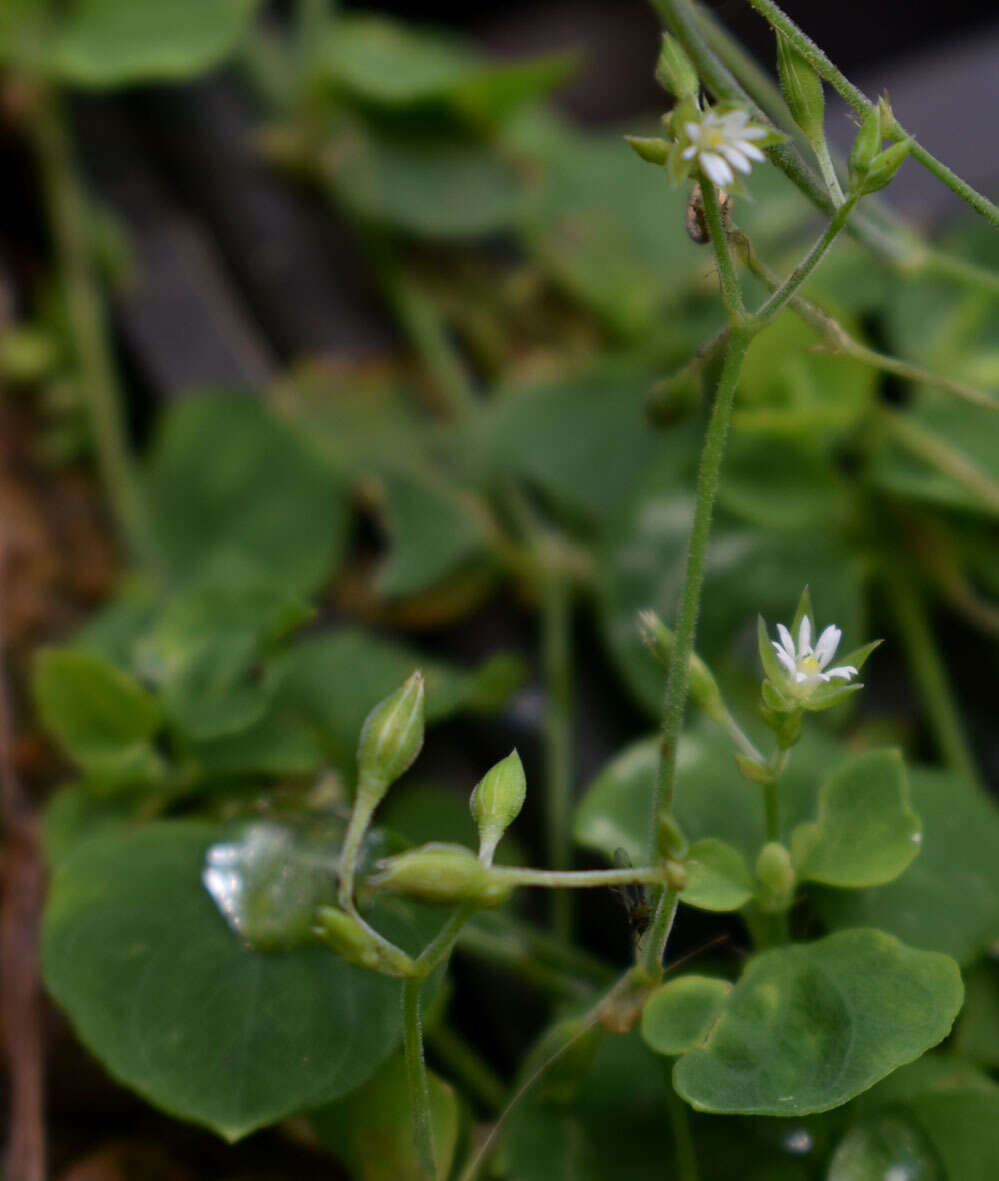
<point>707,491</point>
<point>771,803</point>
<point>68,215</point>
<point>731,292</point>
<point>779,299</point>
<point>416,1077</point>
<point>468,1067</point>
<point>828,170</point>
<point>929,672</point>
<point>679,1118</point>
<point>652,946</point>
<point>556,622</point>
<point>580,879</point>
<point>861,104</point>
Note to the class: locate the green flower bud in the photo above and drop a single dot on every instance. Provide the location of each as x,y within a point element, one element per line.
<point>802,89</point>
<point>347,937</point>
<point>671,843</point>
<point>675,71</point>
<point>391,738</point>
<point>651,150</point>
<point>443,875</point>
<point>776,874</point>
<point>885,165</point>
<point>865,147</point>
<point>496,801</point>
<point>703,687</point>
<point>753,770</point>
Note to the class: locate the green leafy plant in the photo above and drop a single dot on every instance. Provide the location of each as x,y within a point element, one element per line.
<point>254,902</point>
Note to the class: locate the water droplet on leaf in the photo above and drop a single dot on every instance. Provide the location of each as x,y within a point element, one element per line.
<point>885,1149</point>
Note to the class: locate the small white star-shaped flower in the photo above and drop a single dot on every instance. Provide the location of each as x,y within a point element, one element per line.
<point>805,665</point>
<point>723,142</point>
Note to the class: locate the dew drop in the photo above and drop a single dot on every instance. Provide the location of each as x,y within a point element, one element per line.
<point>267,882</point>
<point>889,1148</point>
<point>798,1142</point>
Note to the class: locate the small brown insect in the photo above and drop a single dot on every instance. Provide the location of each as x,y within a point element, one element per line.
<point>634,898</point>
<point>696,221</point>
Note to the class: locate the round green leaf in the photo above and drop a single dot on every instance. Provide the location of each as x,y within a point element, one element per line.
<point>948,898</point>
<point>718,877</point>
<point>809,1026</point>
<point>232,486</point>
<point>680,1014</point>
<point>179,1008</point>
<point>113,42</point>
<point>866,832</point>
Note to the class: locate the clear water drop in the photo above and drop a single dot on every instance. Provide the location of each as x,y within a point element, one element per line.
<point>888,1148</point>
<point>267,882</point>
<point>798,1142</point>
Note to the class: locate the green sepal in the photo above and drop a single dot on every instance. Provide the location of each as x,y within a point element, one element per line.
<point>885,165</point>
<point>802,89</point>
<point>650,148</point>
<point>865,147</point>
<point>675,72</point>
<point>804,608</point>
<point>768,658</point>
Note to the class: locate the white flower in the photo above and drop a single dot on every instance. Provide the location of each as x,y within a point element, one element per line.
<point>720,143</point>
<point>805,665</point>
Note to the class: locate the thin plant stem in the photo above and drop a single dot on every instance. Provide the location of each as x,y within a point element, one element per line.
<point>730,290</point>
<point>679,1118</point>
<point>652,946</point>
<point>828,170</point>
<point>580,879</point>
<point>862,104</point>
<point>929,672</point>
<point>416,1077</point>
<point>87,319</point>
<point>782,296</point>
<point>707,491</point>
<point>462,1061</point>
<point>555,622</point>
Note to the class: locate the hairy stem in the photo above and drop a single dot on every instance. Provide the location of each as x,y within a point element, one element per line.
<point>416,1077</point>
<point>780,21</point>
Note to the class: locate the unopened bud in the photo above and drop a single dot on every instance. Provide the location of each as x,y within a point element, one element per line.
<point>496,801</point>
<point>671,844</point>
<point>885,165</point>
<point>651,150</point>
<point>345,935</point>
<point>865,147</point>
<point>753,770</point>
<point>703,687</point>
<point>776,873</point>
<point>675,71</point>
<point>443,875</point>
<point>802,89</point>
<point>391,738</point>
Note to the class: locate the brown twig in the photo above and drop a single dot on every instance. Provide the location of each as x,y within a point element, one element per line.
<point>23,884</point>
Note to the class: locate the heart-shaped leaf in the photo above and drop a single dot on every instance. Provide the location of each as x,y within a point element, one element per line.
<point>811,1025</point>
<point>718,878</point>
<point>182,1010</point>
<point>681,1013</point>
<point>866,833</point>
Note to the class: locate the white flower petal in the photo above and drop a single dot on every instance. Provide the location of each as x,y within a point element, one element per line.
<point>786,660</point>
<point>845,671</point>
<point>800,678</point>
<point>689,153</point>
<point>785,639</point>
<point>827,644</point>
<point>693,130</point>
<point>750,150</point>
<point>716,168</point>
<point>753,133</point>
<point>736,158</point>
<point>804,636</point>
